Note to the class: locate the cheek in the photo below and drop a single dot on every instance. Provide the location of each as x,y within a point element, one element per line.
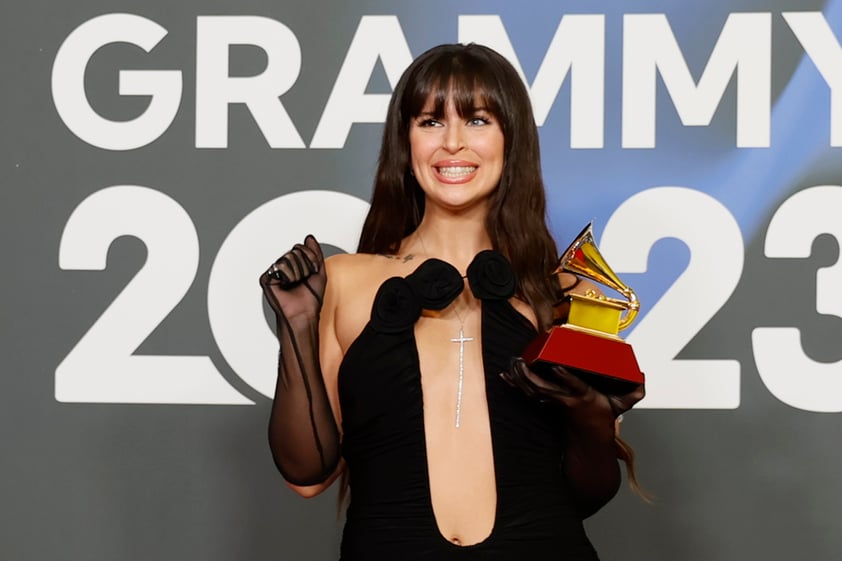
<point>493,148</point>
<point>494,163</point>
<point>418,148</point>
<point>496,156</point>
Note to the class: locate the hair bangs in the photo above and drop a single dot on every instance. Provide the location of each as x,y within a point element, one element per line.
<point>460,78</point>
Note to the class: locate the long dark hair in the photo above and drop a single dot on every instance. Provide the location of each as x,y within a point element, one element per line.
<point>470,75</point>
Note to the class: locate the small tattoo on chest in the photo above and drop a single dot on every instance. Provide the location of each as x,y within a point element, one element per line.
<point>402,258</point>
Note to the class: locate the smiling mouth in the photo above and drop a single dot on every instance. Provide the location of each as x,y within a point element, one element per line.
<point>456,171</point>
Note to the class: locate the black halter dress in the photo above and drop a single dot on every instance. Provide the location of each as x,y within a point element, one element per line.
<point>390,516</point>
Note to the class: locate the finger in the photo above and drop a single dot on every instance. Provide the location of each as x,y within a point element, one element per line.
<point>536,380</point>
<point>525,387</point>
<point>515,377</point>
<point>507,378</point>
<point>315,249</point>
<point>639,393</point>
<point>568,382</point>
<point>537,385</point>
<point>300,261</point>
<point>622,403</point>
<point>307,260</point>
<point>518,377</point>
<point>293,267</point>
<point>635,395</point>
<point>285,271</point>
<point>274,275</point>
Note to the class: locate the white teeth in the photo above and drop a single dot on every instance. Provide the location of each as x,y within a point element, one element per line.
<point>457,171</point>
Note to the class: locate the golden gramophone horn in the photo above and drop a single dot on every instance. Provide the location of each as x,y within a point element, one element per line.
<point>586,338</point>
<point>583,258</point>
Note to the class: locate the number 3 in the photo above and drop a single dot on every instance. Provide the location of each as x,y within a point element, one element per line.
<point>788,373</point>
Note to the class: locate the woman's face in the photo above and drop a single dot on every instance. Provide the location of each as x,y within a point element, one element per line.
<point>457,160</point>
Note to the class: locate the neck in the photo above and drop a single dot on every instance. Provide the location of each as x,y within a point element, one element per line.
<point>456,242</point>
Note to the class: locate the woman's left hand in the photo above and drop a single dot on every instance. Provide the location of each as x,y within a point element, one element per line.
<point>590,453</point>
<point>584,403</point>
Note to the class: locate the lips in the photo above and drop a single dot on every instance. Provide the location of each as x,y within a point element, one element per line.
<point>456,172</point>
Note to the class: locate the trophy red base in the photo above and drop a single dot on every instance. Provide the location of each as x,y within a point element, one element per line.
<point>605,362</point>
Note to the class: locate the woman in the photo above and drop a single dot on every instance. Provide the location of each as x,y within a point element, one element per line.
<point>411,347</point>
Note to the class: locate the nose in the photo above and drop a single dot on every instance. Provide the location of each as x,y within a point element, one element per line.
<point>454,138</point>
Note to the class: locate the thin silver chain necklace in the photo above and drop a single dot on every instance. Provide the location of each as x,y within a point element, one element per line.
<point>461,340</point>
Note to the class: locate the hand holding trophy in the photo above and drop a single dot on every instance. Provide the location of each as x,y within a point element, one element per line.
<point>588,343</point>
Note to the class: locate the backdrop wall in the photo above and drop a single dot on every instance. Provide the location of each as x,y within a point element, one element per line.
<point>156,156</point>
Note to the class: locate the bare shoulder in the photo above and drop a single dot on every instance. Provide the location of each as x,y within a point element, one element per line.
<point>347,262</point>
<point>364,267</point>
<point>353,281</point>
<point>349,269</point>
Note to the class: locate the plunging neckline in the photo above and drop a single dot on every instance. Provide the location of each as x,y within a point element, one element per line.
<point>439,284</point>
<point>396,309</point>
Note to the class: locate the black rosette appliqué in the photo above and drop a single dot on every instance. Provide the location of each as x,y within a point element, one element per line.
<point>396,306</point>
<point>491,277</point>
<point>437,283</point>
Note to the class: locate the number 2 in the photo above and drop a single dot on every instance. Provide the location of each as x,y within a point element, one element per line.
<point>716,264</point>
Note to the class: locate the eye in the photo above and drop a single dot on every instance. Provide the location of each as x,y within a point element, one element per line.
<point>428,122</point>
<point>479,120</point>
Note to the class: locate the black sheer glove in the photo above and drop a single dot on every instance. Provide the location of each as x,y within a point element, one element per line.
<point>591,453</point>
<point>303,435</point>
<point>583,401</point>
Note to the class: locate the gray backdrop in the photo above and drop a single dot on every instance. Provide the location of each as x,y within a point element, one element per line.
<point>134,422</point>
